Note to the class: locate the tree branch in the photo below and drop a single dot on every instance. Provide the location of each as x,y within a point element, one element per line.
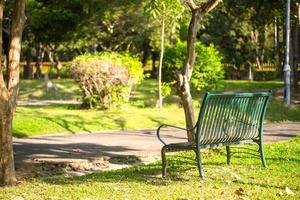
<point>208,6</point>
<point>191,4</point>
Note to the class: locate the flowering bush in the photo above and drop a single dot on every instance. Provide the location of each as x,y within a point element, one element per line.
<point>106,78</point>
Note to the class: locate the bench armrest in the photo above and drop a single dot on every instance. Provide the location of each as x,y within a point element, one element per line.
<point>167,125</point>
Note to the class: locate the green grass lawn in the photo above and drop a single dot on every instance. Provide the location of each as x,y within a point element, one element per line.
<point>139,114</point>
<point>35,90</point>
<point>34,120</point>
<point>245,178</point>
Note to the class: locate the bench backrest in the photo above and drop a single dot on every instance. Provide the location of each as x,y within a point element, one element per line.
<point>231,117</point>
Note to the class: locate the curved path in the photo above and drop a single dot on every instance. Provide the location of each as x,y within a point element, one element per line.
<point>143,143</point>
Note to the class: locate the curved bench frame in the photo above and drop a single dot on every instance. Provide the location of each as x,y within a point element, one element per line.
<point>224,120</point>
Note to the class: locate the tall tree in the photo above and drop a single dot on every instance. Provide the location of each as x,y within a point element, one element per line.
<point>9,91</point>
<point>166,12</point>
<point>184,76</point>
<point>295,46</point>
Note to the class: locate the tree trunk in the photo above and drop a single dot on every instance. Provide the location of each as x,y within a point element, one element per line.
<point>39,61</point>
<point>172,33</point>
<point>159,103</point>
<point>7,174</point>
<point>58,66</point>
<point>254,40</point>
<point>295,50</point>
<point>8,97</point>
<point>154,59</point>
<point>28,68</point>
<point>250,72</point>
<point>7,168</point>
<point>277,49</point>
<point>184,76</point>
<point>146,51</point>
<point>49,52</point>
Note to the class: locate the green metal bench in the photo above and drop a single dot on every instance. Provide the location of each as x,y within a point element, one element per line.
<point>224,120</point>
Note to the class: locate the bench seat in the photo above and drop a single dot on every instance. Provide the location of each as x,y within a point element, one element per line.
<point>224,120</point>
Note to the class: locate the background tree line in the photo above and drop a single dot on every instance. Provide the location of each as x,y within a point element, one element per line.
<point>245,32</point>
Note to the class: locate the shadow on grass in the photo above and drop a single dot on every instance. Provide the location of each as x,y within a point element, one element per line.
<point>149,174</point>
<point>73,123</point>
<point>68,123</point>
<point>183,169</point>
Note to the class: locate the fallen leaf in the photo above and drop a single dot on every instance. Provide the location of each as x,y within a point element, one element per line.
<point>17,198</point>
<point>288,191</point>
<point>280,194</point>
<point>228,182</point>
<point>239,192</point>
<point>234,175</point>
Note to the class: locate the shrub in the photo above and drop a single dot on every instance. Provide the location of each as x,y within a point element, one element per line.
<point>264,75</point>
<point>106,78</point>
<point>207,72</point>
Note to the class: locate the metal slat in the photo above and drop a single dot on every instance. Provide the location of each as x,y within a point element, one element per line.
<point>205,121</point>
<point>235,113</point>
<point>215,116</point>
<point>258,110</point>
<point>221,118</point>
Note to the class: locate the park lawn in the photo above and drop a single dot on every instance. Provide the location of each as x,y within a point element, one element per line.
<point>245,178</point>
<point>35,90</point>
<point>139,114</point>
<point>36,120</point>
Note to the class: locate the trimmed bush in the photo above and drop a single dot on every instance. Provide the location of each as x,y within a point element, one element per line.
<point>207,72</point>
<point>264,75</point>
<point>106,78</point>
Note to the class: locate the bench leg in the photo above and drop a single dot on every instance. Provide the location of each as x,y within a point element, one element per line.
<point>199,164</point>
<point>164,161</point>
<point>262,155</point>
<point>228,154</point>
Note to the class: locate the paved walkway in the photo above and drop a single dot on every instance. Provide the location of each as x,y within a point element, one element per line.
<point>81,147</point>
<point>48,102</point>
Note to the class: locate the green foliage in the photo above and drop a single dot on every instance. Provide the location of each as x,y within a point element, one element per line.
<point>52,21</point>
<point>243,31</point>
<point>166,89</point>
<point>207,72</point>
<point>157,11</point>
<point>65,72</point>
<point>163,9</point>
<point>106,78</point>
<point>264,75</point>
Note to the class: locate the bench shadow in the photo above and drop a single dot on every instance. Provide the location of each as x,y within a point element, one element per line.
<point>178,171</point>
<point>151,174</point>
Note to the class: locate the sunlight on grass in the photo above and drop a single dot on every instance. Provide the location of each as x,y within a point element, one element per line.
<point>139,114</point>
<point>245,178</point>
<point>57,119</point>
<point>35,90</point>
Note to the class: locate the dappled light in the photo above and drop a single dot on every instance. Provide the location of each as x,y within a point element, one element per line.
<point>137,99</point>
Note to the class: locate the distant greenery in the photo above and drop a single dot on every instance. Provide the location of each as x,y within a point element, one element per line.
<point>251,86</point>
<point>140,113</point>
<point>106,78</point>
<point>245,178</point>
<point>208,70</point>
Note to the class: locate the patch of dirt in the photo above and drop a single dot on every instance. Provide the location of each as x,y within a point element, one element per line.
<point>50,168</point>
